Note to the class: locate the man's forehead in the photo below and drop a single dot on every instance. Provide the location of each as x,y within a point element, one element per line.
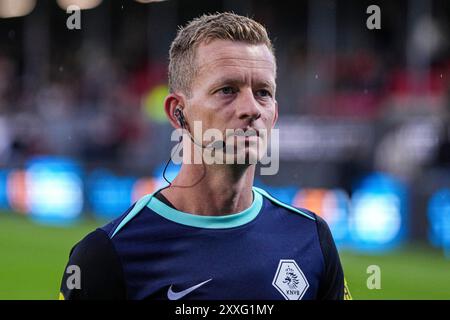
<point>223,53</point>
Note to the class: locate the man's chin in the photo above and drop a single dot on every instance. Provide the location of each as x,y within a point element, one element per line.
<point>246,155</point>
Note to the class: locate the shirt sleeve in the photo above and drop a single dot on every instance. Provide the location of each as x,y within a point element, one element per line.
<point>94,271</point>
<point>333,286</point>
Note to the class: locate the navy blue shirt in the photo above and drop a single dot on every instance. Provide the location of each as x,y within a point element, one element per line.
<point>153,251</point>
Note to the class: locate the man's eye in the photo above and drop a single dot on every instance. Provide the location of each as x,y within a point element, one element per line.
<point>227,90</point>
<point>263,93</point>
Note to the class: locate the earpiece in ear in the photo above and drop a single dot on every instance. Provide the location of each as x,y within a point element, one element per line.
<point>178,113</point>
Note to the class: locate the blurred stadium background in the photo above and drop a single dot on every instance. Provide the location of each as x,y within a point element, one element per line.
<point>364,129</point>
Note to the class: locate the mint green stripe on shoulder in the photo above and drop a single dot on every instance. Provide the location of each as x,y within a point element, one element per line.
<point>282,204</point>
<point>137,208</point>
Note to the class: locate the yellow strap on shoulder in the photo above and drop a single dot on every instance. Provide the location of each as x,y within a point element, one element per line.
<point>347,295</point>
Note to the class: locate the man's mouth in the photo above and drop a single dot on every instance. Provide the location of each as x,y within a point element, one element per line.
<point>246,132</point>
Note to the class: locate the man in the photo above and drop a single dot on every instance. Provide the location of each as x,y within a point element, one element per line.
<point>211,234</point>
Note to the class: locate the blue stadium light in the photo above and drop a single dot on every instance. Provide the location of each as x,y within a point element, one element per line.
<point>109,195</point>
<point>54,190</point>
<point>4,189</point>
<point>285,194</point>
<point>439,220</point>
<point>378,220</point>
<point>171,172</point>
<point>336,206</point>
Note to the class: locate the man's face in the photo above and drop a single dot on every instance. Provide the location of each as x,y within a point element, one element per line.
<point>234,89</point>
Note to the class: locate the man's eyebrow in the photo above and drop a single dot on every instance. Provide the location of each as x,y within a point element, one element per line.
<point>240,81</point>
<point>267,83</point>
<point>227,80</point>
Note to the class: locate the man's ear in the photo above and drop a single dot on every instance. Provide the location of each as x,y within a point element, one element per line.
<point>171,102</point>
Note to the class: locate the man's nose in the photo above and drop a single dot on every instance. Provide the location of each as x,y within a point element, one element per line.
<point>248,107</point>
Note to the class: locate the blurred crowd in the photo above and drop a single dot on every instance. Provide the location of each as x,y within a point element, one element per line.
<point>96,115</point>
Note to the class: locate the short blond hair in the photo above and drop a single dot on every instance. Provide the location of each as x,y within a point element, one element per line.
<point>204,29</point>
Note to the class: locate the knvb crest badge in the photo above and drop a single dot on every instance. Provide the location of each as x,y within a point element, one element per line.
<point>290,280</point>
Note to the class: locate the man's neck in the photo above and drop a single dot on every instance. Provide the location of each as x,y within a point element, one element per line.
<point>207,190</point>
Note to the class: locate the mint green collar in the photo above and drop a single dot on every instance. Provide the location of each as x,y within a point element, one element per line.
<point>208,221</point>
